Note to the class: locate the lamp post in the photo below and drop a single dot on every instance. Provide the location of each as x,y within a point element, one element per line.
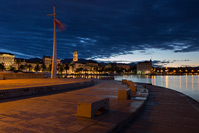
<point>54,58</point>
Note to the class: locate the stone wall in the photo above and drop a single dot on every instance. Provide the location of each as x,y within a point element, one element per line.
<point>9,93</point>
<point>21,75</point>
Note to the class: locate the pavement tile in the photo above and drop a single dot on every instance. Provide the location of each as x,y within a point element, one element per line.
<point>76,128</point>
<point>57,112</point>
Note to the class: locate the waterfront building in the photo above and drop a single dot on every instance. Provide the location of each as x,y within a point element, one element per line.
<point>75,56</point>
<point>47,60</point>
<point>7,59</point>
<point>18,62</point>
<point>126,67</point>
<point>144,67</point>
<point>93,64</point>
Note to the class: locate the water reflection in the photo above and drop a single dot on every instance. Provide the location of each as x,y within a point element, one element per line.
<point>198,81</point>
<point>167,81</point>
<point>81,76</point>
<point>180,82</point>
<point>186,81</point>
<point>192,81</point>
<point>187,84</point>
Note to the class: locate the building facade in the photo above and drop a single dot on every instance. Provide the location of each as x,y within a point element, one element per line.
<point>126,67</point>
<point>7,59</point>
<point>47,60</point>
<point>144,67</point>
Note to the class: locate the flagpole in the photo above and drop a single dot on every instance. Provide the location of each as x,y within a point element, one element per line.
<point>54,58</point>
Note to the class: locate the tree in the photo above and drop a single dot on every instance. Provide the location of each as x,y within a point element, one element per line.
<point>18,61</point>
<point>21,67</point>
<point>37,68</point>
<point>29,66</point>
<point>79,69</point>
<point>60,68</point>
<point>66,67</point>
<point>49,67</point>
<point>85,70</point>
<point>26,66</point>
<point>43,67</point>
<point>11,68</point>
<point>2,67</point>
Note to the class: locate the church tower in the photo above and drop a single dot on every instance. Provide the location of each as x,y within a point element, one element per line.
<point>75,56</point>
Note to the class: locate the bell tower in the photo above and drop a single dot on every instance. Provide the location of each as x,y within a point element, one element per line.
<point>75,56</point>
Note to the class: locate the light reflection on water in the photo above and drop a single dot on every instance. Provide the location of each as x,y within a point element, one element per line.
<point>187,84</point>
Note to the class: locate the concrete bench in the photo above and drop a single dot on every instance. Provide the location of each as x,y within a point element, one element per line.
<point>128,82</point>
<point>90,108</point>
<point>124,94</point>
<point>133,88</point>
<point>124,81</point>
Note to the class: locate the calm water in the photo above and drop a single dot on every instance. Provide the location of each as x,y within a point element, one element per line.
<point>187,84</point>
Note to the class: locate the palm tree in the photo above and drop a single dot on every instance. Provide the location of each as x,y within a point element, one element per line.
<point>43,67</point>
<point>21,67</point>
<point>11,68</point>
<point>26,66</point>
<point>29,67</point>
<point>49,67</point>
<point>79,69</point>
<point>2,67</point>
<point>66,67</point>
<point>60,68</point>
<point>18,61</point>
<point>37,68</point>
<point>85,70</point>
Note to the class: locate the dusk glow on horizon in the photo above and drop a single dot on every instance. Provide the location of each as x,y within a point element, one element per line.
<point>120,31</point>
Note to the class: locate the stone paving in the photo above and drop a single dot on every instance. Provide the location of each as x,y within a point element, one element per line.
<point>166,111</point>
<point>57,112</point>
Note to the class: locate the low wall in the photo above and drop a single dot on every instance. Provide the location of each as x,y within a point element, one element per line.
<point>21,75</point>
<point>9,93</point>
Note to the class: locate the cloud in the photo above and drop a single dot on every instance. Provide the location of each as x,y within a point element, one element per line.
<point>160,63</point>
<point>100,28</point>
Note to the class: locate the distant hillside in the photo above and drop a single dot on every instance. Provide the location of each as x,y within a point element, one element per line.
<point>34,60</point>
<point>79,60</point>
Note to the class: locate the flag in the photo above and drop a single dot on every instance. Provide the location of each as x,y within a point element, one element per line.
<point>60,25</point>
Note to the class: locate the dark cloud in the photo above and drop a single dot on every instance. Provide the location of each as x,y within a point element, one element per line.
<point>99,28</point>
<point>160,63</point>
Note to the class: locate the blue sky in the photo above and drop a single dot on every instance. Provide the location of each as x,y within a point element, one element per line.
<point>105,30</point>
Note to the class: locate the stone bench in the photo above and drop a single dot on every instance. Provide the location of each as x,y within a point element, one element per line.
<point>124,81</point>
<point>124,94</point>
<point>130,83</point>
<point>133,88</point>
<point>92,107</point>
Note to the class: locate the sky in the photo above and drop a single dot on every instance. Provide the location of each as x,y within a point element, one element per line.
<point>166,31</point>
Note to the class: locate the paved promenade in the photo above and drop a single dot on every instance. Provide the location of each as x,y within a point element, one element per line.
<point>57,112</point>
<point>166,111</point>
